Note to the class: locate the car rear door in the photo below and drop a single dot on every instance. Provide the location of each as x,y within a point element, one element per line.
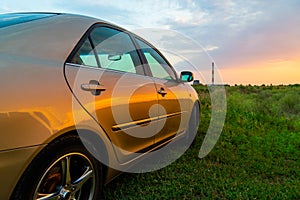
<point>107,78</point>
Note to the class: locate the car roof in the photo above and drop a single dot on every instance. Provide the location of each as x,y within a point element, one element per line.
<point>11,19</point>
<point>50,38</point>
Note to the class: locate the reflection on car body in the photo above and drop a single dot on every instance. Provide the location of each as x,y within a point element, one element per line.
<point>81,100</point>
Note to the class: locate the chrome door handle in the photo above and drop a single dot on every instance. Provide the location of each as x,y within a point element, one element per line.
<point>94,87</point>
<point>91,87</point>
<point>162,92</point>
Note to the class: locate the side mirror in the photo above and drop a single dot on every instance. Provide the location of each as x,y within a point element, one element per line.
<point>186,76</point>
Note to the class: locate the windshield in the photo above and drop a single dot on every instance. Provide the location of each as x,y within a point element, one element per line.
<point>18,18</point>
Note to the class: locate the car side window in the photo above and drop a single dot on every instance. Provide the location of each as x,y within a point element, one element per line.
<point>157,64</point>
<point>115,50</point>
<point>109,48</point>
<point>85,55</point>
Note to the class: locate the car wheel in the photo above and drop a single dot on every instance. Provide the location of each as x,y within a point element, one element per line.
<point>193,124</point>
<point>63,170</point>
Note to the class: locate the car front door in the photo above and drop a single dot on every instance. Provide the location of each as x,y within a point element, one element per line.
<point>174,100</point>
<point>106,76</point>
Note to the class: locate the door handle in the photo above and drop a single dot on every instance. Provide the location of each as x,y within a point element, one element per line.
<point>162,92</point>
<point>94,87</point>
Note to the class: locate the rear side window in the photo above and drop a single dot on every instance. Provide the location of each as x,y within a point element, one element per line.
<point>85,55</point>
<point>109,48</point>
<point>18,18</point>
<point>115,49</point>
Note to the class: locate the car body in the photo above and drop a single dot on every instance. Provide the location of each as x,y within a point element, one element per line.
<point>65,77</point>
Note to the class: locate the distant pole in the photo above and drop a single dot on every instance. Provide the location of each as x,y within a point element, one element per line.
<point>212,73</point>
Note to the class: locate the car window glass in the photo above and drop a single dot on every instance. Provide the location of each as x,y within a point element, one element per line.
<point>115,50</point>
<point>117,62</point>
<point>158,66</point>
<point>85,55</point>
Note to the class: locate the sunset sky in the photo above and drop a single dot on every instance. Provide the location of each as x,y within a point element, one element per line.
<point>251,42</point>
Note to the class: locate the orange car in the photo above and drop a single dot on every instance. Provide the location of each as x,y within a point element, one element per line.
<point>82,100</point>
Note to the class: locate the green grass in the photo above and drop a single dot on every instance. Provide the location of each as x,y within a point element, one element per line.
<point>256,156</point>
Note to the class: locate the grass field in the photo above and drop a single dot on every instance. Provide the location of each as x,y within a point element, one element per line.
<point>256,157</point>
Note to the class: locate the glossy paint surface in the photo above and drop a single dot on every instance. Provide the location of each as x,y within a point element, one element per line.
<point>42,98</point>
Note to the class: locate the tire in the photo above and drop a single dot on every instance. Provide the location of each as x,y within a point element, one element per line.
<point>193,124</point>
<point>64,169</point>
